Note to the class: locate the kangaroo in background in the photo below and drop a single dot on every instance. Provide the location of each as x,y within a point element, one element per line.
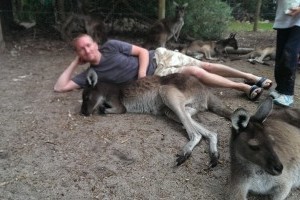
<point>178,96</point>
<point>259,55</point>
<point>265,152</point>
<point>80,23</point>
<point>210,49</point>
<point>164,29</point>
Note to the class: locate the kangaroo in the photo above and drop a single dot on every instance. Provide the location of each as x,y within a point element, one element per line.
<point>265,152</point>
<point>210,48</point>
<point>178,96</point>
<point>259,55</point>
<point>80,23</point>
<point>164,29</point>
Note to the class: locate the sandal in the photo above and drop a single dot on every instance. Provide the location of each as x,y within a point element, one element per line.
<point>254,93</point>
<point>263,82</point>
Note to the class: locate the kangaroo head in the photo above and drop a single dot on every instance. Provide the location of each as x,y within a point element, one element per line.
<point>231,41</point>
<point>251,140</point>
<point>92,96</point>
<point>180,9</point>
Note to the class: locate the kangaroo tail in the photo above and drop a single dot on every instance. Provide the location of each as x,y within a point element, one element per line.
<point>216,106</point>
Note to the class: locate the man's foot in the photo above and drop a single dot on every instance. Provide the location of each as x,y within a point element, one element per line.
<point>284,100</point>
<point>274,94</point>
<point>262,83</point>
<point>254,92</point>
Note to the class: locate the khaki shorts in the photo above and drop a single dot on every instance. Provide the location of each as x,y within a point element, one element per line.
<point>169,62</point>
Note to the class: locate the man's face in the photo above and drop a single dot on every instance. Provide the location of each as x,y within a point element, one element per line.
<point>86,49</point>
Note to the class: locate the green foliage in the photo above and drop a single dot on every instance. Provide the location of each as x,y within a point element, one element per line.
<point>32,10</point>
<point>268,7</point>
<point>25,10</point>
<point>236,26</point>
<point>206,19</point>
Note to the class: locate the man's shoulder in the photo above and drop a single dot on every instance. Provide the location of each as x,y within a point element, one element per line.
<point>114,45</point>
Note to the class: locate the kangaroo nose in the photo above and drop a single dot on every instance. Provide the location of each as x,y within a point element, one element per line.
<point>84,111</point>
<point>278,168</point>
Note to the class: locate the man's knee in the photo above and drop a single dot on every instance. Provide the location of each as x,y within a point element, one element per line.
<point>193,70</point>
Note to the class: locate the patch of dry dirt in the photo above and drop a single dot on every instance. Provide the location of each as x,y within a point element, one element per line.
<point>49,151</point>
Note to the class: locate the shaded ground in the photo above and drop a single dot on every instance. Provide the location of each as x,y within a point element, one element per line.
<point>49,151</point>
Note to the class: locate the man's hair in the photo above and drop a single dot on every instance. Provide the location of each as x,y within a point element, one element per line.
<point>75,39</point>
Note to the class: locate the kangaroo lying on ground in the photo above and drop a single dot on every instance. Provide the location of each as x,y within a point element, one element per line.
<point>165,29</point>
<point>210,49</point>
<point>265,152</point>
<point>178,96</point>
<point>259,55</point>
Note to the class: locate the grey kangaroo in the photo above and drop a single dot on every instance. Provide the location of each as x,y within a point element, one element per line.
<point>211,49</point>
<point>178,96</point>
<point>265,152</point>
<point>259,55</point>
<point>164,29</point>
<point>79,23</point>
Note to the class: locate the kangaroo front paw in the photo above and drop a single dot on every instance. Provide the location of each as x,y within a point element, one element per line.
<point>214,159</point>
<point>181,158</point>
<point>101,110</point>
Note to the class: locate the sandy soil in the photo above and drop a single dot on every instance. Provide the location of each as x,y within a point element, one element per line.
<point>49,151</point>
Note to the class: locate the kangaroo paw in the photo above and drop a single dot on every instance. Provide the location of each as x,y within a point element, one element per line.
<point>214,160</point>
<point>101,110</point>
<point>182,158</point>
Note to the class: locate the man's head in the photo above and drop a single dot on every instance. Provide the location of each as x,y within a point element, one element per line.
<point>86,48</point>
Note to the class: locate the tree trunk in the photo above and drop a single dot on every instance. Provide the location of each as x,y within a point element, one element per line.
<point>161,9</point>
<point>7,16</point>
<point>257,14</point>
<point>59,11</point>
<point>2,43</point>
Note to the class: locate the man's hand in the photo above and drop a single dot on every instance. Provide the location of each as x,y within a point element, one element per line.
<point>79,61</point>
<point>294,11</point>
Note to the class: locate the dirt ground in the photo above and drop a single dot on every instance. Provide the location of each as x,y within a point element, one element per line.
<point>49,151</point>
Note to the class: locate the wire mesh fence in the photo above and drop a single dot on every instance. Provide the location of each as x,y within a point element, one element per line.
<point>119,16</point>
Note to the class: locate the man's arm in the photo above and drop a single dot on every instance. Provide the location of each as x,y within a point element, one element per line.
<point>64,82</point>
<point>143,56</point>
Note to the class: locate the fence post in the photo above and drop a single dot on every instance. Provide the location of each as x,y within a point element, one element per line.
<point>161,9</point>
<point>2,43</point>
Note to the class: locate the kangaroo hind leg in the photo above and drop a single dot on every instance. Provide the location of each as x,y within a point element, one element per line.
<point>176,101</point>
<point>170,114</point>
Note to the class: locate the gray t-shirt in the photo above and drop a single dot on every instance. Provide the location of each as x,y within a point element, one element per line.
<point>116,64</point>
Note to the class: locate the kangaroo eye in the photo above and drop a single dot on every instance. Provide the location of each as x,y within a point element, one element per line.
<point>254,147</point>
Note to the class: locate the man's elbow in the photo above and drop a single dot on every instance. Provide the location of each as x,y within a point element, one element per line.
<point>66,88</point>
<point>61,89</point>
<point>58,89</point>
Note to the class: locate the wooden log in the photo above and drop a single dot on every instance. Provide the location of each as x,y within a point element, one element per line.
<point>240,50</point>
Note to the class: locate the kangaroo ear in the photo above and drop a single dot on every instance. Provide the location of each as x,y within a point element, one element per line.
<point>185,5</point>
<point>91,77</point>
<point>264,110</point>
<point>240,119</point>
<point>175,4</point>
<point>232,35</point>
